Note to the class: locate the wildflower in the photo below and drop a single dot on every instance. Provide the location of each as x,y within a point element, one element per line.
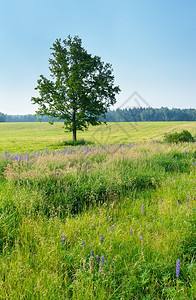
<point>91,252</point>
<point>143,208</point>
<point>109,218</point>
<point>131,232</point>
<point>84,265</point>
<point>178,268</point>
<point>97,257</point>
<point>91,265</point>
<point>141,237</point>
<point>83,243</point>
<point>112,228</point>
<point>102,261</point>
<point>101,238</point>
<point>160,200</point>
<point>187,201</point>
<point>177,202</point>
<point>63,238</point>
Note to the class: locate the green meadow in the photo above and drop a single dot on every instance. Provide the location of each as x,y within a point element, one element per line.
<point>20,137</point>
<point>105,220</point>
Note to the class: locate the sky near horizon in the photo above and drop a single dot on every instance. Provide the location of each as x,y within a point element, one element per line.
<point>151,45</point>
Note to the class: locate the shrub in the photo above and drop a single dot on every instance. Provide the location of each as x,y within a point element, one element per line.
<point>181,137</point>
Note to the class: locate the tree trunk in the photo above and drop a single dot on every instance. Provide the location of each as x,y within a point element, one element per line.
<point>74,125</point>
<point>74,134</point>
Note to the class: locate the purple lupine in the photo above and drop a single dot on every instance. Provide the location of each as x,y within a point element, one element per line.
<point>101,238</point>
<point>102,260</point>
<point>91,252</point>
<point>131,232</point>
<point>63,238</point>
<point>97,257</point>
<point>188,201</point>
<point>177,202</point>
<point>178,268</point>
<point>83,243</point>
<point>142,208</point>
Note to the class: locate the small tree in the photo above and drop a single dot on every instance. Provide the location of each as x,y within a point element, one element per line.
<point>81,90</point>
<point>181,137</point>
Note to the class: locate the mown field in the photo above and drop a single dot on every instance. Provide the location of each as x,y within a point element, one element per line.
<point>21,137</point>
<point>98,221</point>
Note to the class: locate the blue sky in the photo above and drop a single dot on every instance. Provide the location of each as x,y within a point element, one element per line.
<point>151,45</point>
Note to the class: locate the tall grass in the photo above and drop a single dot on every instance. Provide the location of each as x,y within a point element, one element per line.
<point>127,214</point>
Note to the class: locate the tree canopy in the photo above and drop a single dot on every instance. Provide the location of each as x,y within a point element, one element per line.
<point>81,88</point>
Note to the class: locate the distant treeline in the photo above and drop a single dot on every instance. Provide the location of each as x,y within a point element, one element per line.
<point>24,118</point>
<point>141,114</point>
<point>123,115</point>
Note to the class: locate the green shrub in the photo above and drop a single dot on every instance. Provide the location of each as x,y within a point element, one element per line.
<point>182,137</point>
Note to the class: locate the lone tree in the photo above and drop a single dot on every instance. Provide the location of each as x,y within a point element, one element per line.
<point>81,88</point>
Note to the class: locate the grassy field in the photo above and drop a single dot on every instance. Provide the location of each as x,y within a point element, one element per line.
<point>99,221</point>
<point>21,137</point>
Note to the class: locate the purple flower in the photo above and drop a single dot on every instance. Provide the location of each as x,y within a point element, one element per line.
<point>143,208</point>
<point>83,243</point>
<point>102,260</point>
<point>177,202</point>
<point>109,217</point>
<point>91,252</point>
<point>178,268</point>
<point>63,238</point>
<point>188,201</point>
<point>131,232</point>
<point>112,228</point>
<point>160,200</point>
<point>97,257</point>
<point>101,238</point>
<point>141,237</point>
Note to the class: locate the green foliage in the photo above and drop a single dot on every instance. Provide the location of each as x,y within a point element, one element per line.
<point>82,88</point>
<point>182,137</point>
